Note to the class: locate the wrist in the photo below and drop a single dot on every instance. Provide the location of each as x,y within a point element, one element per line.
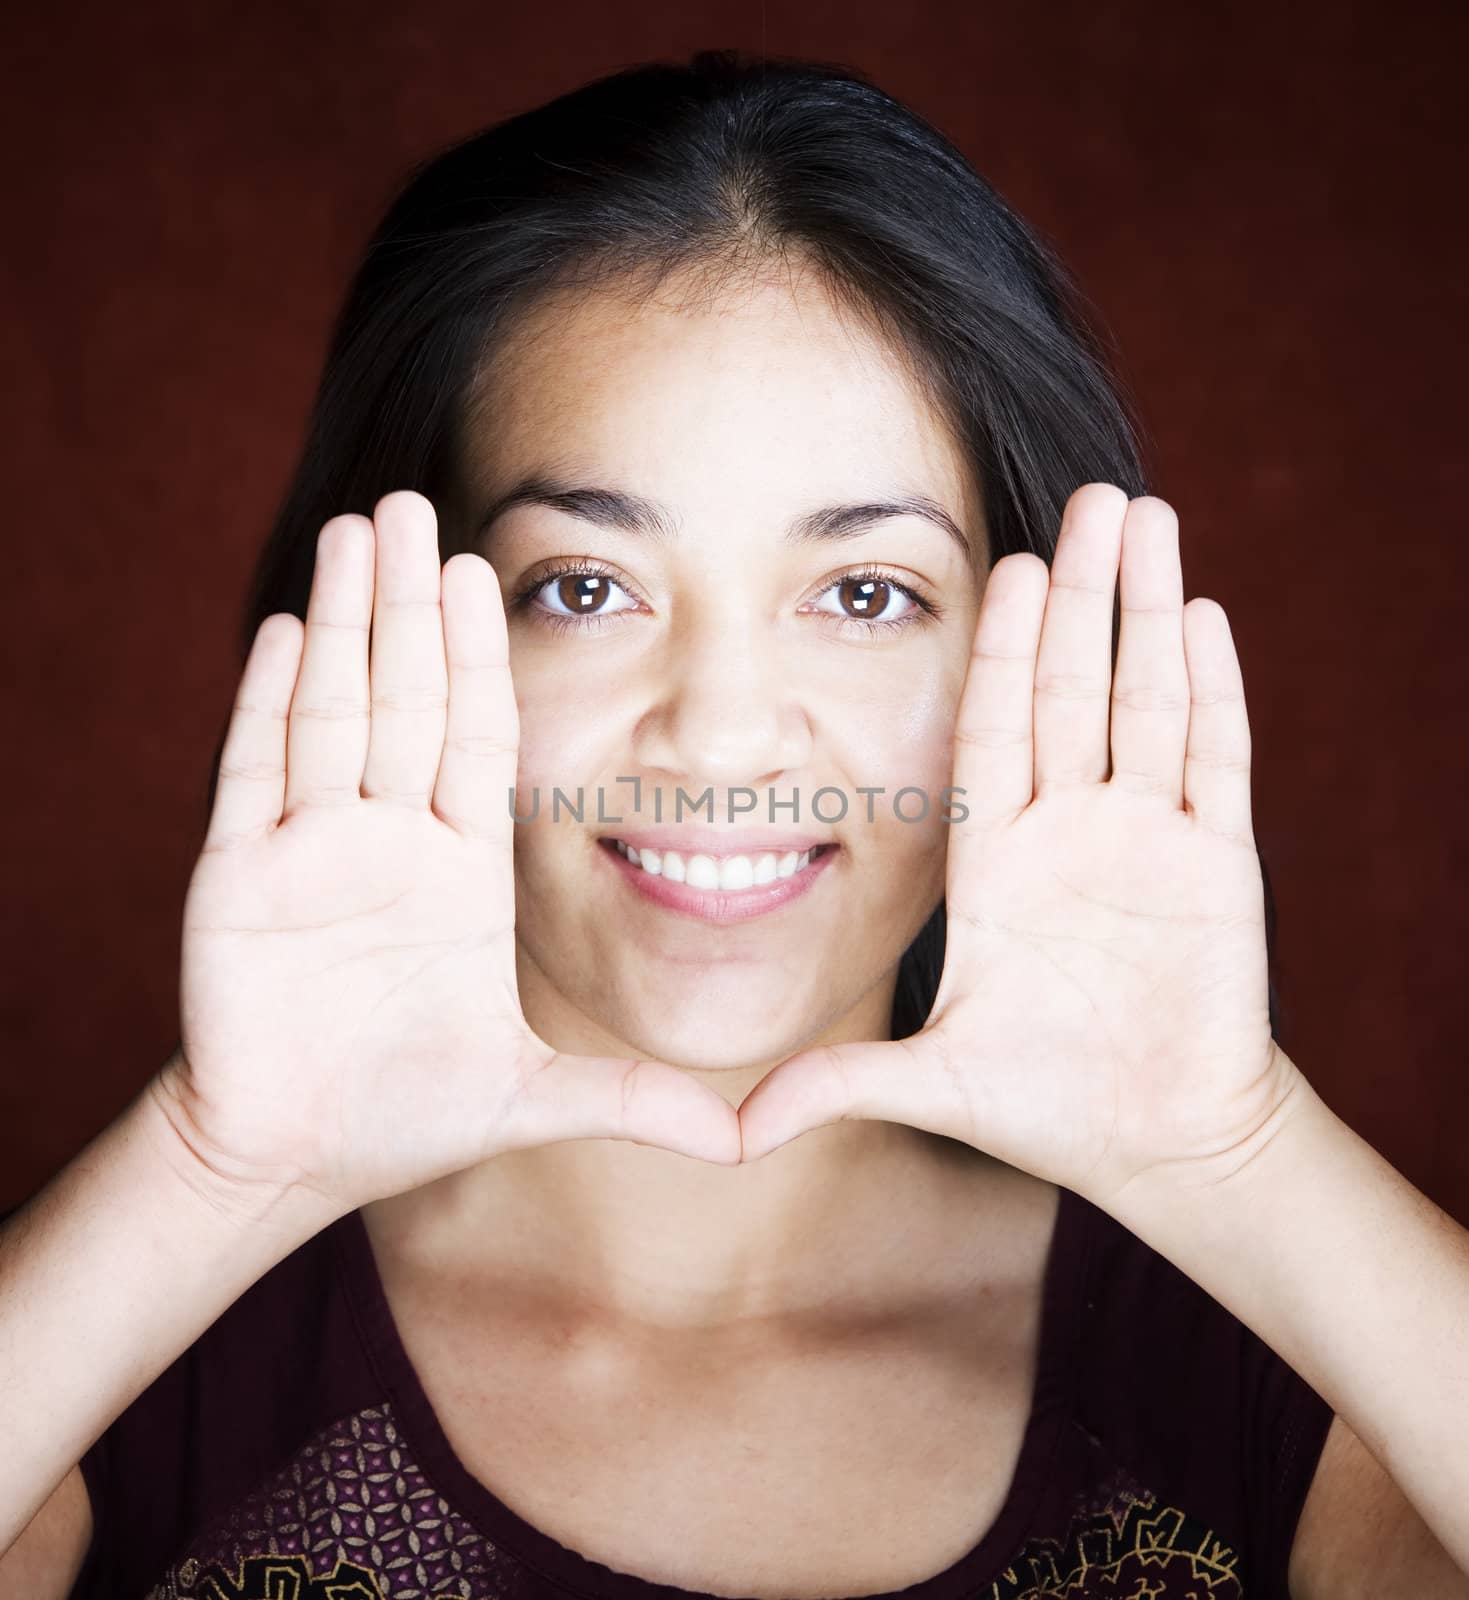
<point>1252,1171</point>
<point>236,1194</point>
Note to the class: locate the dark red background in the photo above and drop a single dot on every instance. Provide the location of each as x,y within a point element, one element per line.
<point>1265,204</point>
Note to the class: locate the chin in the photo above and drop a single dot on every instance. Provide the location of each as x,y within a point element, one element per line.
<point>698,1046</point>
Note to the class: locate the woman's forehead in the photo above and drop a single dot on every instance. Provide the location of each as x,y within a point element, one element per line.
<point>766,382</point>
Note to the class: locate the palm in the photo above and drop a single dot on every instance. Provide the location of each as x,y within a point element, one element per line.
<point>1104,1006</point>
<point>353,970</point>
<point>1114,949</point>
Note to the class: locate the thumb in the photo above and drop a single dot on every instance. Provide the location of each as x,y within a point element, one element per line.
<point>603,1097</point>
<point>898,1080</point>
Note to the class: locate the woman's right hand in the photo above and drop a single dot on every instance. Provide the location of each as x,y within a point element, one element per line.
<point>350,1018</point>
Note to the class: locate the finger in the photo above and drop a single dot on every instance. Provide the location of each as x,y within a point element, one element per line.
<point>251,790</point>
<point>1150,698</point>
<point>410,688</point>
<point>477,770</point>
<point>993,762</point>
<point>1216,772</point>
<point>882,1080</point>
<point>646,1102</point>
<point>326,740</point>
<point>1073,676</point>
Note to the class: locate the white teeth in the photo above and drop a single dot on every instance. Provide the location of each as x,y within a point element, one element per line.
<point>734,872</point>
<point>707,872</point>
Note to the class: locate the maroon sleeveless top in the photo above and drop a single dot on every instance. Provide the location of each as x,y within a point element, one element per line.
<point>291,1454</point>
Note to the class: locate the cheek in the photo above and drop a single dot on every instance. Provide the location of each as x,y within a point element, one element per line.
<point>904,736</point>
<point>905,748</point>
<point>559,741</point>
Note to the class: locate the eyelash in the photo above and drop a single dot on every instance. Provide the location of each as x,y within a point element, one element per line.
<point>928,610</point>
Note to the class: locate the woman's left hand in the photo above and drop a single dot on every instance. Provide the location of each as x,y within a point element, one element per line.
<point>1104,1008</point>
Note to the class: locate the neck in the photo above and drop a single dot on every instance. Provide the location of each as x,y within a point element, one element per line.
<point>858,1218</point>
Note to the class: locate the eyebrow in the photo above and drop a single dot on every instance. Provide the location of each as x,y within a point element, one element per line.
<point>632,513</point>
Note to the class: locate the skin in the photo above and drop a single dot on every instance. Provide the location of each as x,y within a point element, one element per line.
<point>725,659</point>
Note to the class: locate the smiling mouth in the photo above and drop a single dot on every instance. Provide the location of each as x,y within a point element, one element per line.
<point>720,874</point>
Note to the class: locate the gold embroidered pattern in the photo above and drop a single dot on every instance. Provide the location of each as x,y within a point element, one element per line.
<point>1134,1549</point>
<point>289,1578</point>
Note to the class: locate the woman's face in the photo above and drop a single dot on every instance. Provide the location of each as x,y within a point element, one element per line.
<point>714,641</point>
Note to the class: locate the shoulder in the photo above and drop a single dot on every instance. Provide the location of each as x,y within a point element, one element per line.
<point>278,1364</point>
<point>1359,1536</point>
<point>47,1557</point>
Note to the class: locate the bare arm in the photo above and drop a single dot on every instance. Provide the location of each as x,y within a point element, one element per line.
<point>108,1274</point>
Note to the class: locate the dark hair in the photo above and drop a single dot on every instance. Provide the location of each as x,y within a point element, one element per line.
<point>721,165</point>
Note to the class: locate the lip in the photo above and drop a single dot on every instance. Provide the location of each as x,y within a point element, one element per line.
<point>714,905</point>
<point>690,840</point>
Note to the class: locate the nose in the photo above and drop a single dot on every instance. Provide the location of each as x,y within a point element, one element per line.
<point>724,713</point>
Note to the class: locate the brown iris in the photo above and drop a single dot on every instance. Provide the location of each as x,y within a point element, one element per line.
<point>870,595</point>
<point>581,592</point>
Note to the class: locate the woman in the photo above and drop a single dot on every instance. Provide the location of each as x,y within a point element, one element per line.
<point>611,1197</point>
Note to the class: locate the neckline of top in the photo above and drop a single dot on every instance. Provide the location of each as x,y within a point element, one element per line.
<point>1052,1404</point>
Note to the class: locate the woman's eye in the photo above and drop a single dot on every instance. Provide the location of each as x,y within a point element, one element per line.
<point>871,597</point>
<point>577,594</point>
